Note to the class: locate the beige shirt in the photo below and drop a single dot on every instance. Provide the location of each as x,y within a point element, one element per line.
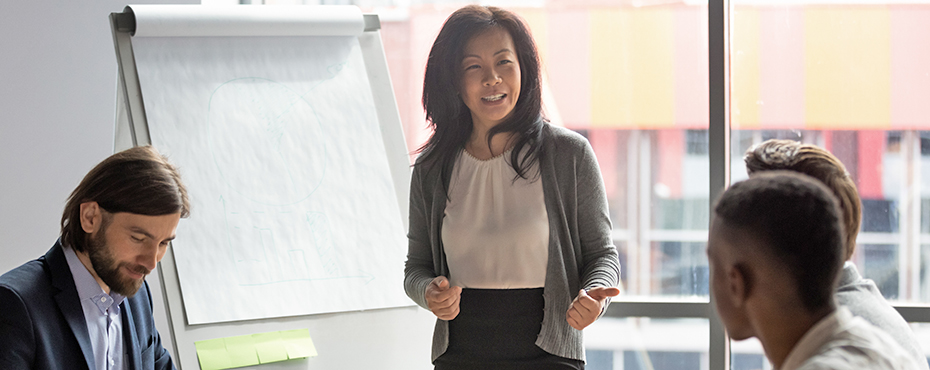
<point>495,230</point>
<point>841,341</point>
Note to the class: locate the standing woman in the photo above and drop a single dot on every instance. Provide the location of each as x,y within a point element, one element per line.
<point>509,240</point>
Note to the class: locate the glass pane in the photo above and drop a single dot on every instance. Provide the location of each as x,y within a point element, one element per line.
<point>748,355</point>
<point>647,344</point>
<point>623,253</point>
<point>611,148</point>
<point>925,273</point>
<point>633,79</point>
<point>879,262</point>
<point>850,77</point>
<point>682,268</point>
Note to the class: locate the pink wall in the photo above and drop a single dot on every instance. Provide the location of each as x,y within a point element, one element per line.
<point>910,67</point>
<point>781,67</point>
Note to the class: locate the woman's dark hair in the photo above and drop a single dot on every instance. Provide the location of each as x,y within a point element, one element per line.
<point>447,113</point>
<point>137,180</point>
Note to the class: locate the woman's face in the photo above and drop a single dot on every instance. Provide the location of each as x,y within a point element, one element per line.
<point>490,77</point>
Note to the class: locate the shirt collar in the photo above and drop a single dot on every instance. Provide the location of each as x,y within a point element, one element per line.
<point>816,337</point>
<point>849,274</point>
<point>87,287</point>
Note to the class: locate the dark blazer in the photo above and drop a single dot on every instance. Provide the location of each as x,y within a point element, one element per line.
<point>42,323</point>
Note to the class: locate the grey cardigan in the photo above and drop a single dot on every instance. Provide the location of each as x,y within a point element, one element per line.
<point>581,252</point>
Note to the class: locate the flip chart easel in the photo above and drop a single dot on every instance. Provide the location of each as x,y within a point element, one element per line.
<point>134,128</point>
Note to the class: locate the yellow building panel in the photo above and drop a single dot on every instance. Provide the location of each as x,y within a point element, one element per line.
<point>744,69</point>
<point>847,67</point>
<point>652,52</point>
<point>611,74</point>
<point>537,21</point>
<point>632,74</point>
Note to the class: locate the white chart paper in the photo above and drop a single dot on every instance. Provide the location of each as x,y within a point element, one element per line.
<point>293,206</point>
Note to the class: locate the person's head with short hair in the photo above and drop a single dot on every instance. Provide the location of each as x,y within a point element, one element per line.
<point>775,251</point>
<point>818,163</point>
<point>122,215</point>
<point>457,70</point>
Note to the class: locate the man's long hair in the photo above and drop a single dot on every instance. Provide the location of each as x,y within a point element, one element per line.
<point>138,180</point>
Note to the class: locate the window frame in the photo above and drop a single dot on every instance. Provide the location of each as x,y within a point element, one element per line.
<point>719,46</point>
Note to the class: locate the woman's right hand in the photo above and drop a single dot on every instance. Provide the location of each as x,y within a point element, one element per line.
<point>443,299</point>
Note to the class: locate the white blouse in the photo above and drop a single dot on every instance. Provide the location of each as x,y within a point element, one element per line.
<point>495,232</point>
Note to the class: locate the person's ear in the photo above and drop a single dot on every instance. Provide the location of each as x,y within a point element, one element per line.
<point>91,217</point>
<point>739,283</point>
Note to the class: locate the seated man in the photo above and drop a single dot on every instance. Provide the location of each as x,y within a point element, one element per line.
<point>775,251</point>
<point>80,305</point>
<point>860,295</point>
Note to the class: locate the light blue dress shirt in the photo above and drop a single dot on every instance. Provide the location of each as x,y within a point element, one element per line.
<point>102,315</point>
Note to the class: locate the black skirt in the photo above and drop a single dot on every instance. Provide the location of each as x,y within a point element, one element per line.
<point>497,329</point>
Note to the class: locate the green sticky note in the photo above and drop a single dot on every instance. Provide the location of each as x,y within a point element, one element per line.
<point>298,343</point>
<point>212,354</point>
<point>270,347</point>
<point>241,351</point>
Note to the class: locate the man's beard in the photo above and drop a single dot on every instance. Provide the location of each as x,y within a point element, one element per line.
<point>109,270</point>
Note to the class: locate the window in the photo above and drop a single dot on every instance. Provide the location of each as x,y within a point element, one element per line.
<point>664,95</point>
<point>841,75</point>
<point>635,78</point>
<point>846,75</point>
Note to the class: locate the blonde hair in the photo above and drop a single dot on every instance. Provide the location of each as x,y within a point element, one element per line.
<point>818,163</point>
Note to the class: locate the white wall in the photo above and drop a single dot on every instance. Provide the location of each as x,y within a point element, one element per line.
<point>57,105</point>
<point>57,89</point>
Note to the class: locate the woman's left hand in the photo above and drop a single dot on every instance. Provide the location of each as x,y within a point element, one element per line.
<point>587,306</point>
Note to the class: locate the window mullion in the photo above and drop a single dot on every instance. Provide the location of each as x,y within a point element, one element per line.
<point>718,50</point>
<point>659,310</point>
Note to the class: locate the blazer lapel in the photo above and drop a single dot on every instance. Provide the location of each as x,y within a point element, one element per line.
<point>68,301</point>
<point>129,333</point>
